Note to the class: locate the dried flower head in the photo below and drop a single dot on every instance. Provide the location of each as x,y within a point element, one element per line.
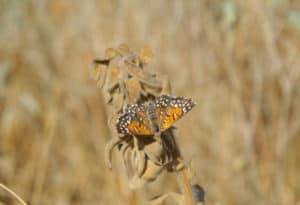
<point>141,115</point>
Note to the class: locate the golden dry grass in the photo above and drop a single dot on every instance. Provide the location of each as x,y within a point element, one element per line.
<point>239,60</point>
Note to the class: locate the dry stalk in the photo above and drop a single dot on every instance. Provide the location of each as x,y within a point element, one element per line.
<point>13,194</point>
<point>122,76</point>
<point>43,160</point>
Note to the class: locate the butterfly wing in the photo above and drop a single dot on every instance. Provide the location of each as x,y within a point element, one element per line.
<point>134,121</point>
<point>170,109</point>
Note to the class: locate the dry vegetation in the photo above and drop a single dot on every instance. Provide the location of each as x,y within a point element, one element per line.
<point>239,60</point>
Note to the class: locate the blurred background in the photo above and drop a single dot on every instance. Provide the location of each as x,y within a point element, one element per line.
<point>239,60</point>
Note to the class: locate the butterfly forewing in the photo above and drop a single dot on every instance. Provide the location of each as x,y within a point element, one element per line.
<point>134,121</point>
<point>170,109</point>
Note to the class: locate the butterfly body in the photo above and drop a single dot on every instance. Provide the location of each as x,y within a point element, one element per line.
<point>152,118</point>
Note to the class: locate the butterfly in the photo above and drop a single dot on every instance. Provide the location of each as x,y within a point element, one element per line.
<point>152,118</point>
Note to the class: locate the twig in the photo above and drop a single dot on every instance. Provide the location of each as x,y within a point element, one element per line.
<point>13,194</point>
<point>186,187</point>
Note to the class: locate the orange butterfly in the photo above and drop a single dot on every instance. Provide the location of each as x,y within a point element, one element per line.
<point>153,117</point>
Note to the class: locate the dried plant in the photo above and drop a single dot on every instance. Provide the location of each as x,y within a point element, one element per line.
<point>125,82</point>
<point>11,192</point>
